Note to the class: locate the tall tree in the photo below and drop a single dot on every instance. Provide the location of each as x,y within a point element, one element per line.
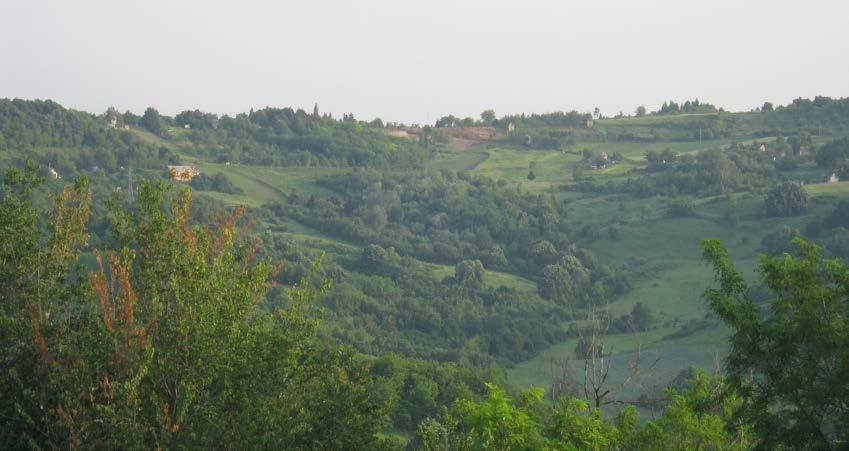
<point>789,356</point>
<point>786,199</point>
<point>488,116</point>
<point>164,344</point>
<point>151,121</point>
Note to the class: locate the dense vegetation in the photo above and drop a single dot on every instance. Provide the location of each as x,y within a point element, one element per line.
<point>383,292</point>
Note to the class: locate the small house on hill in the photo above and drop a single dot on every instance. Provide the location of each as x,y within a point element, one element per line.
<point>804,150</point>
<point>762,147</point>
<point>182,173</point>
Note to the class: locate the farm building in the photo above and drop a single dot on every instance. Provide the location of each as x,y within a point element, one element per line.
<point>182,173</point>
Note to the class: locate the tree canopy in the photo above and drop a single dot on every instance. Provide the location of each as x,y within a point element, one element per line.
<point>789,355</point>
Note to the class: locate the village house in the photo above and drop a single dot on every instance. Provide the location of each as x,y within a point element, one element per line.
<point>762,147</point>
<point>511,127</point>
<point>804,150</point>
<point>833,178</point>
<point>590,123</point>
<point>182,173</point>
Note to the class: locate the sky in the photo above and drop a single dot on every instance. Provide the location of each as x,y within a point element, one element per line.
<point>415,61</point>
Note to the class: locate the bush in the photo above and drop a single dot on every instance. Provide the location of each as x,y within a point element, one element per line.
<point>469,273</point>
<point>218,182</point>
<point>787,199</point>
<point>681,209</point>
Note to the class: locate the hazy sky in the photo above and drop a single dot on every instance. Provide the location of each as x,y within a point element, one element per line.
<point>413,61</point>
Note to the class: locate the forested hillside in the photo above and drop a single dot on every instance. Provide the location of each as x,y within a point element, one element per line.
<point>528,281</point>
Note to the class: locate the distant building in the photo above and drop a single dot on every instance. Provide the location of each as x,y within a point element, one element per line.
<point>511,127</point>
<point>590,123</point>
<point>804,150</point>
<point>762,147</point>
<point>182,173</point>
<point>833,178</point>
<point>54,174</point>
<point>600,160</point>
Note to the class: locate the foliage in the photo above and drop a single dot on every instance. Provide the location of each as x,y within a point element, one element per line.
<point>792,381</point>
<point>786,199</point>
<point>469,273</point>
<point>688,107</point>
<point>218,182</point>
<point>284,136</point>
<point>831,154</point>
<point>495,423</point>
<point>72,142</point>
<point>162,344</point>
<point>698,416</point>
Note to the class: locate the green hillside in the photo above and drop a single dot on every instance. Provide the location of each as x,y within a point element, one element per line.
<point>452,262</point>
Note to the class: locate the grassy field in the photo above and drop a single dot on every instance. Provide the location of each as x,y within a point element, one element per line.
<point>491,278</point>
<point>554,167</point>
<point>263,184</point>
<point>666,250</point>
<point>458,155</point>
<point>513,165</point>
<point>828,189</point>
<point>658,360</point>
<point>150,138</point>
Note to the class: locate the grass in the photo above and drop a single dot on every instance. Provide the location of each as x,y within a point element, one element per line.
<point>638,150</point>
<point>458,155</point>
<point>491,278</point>
<point>151,138</point>
<point>824,189</point>
<point>664,252</point>
<point>659,361</point>
<point>513,165</point>
<point>263,184</point>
